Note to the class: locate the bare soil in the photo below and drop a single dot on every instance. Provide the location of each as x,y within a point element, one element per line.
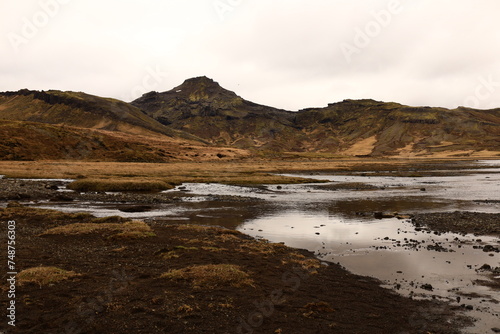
<point>119,286</point>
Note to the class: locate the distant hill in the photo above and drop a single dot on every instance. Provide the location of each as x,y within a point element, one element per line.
<point>200,120</point>
<point>203,108</point>
<point>81,110</point>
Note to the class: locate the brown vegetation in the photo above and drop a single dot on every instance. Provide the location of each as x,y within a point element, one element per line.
<point>211,276</point>
<point>131,230</point>
<point>44,275</point>
<point>229,172</point>
<point>119,185</point>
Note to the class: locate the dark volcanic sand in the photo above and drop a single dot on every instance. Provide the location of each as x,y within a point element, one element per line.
<point>120,290</point>
<point>460,222</point>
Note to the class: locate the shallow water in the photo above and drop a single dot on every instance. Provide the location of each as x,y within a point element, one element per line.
<point>392,251</point>
<point>339,227</point>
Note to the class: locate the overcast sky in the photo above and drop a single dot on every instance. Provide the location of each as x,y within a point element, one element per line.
<point>289,54</point>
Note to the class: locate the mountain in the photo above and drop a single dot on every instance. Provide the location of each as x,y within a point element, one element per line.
<point>385,129</point>
<point>77,126</point>
<point>200,106</point>
<point>200,120</point>
<point>81,110</point>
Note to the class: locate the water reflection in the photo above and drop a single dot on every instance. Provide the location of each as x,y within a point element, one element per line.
<point>416,263</point>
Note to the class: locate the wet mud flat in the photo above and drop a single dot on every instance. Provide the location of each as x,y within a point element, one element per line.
<point>192,279</point>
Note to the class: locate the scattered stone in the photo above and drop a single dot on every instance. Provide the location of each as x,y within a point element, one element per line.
<point>485,267</point>
<point>61,198</point>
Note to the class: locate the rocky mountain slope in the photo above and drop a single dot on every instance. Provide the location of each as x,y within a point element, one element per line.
<point>202,107</point>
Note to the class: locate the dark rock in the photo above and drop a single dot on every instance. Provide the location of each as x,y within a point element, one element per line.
<point>427,287</point>
<point>135,208</point>
<point>490,248</point>
<point>381,215</point>
<point>485,267</point>
<point>61,198</point>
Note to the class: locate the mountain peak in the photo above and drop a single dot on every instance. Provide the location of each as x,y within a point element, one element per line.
<point>201,80</point>
<point>200,83</point>
<point>202,88</point>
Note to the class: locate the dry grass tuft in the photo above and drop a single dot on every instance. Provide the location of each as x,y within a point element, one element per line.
<point>211,276</point>
<point>44,275</point>
<point>208,229</point>
<point>262,247</point>
<point>177,252</point>
<point>315,309</point>
<point>42,215</point>
<point>308,264</point>
<point>119,185</point>
<point>127,230</point>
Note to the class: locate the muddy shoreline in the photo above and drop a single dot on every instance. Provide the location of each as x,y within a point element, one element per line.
<point>477,223</point>
<point>120,286</point>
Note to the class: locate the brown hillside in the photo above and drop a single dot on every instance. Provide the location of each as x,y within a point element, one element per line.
<point>81,110</point>
<point>38,141</point>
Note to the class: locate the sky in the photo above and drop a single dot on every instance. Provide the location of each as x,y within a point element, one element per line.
<point>289,54</point>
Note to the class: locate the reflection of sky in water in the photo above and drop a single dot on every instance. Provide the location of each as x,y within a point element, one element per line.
<point>353,243</point>
<point>477,186</point>
<point>107,210</point>
<point>456,192</point>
